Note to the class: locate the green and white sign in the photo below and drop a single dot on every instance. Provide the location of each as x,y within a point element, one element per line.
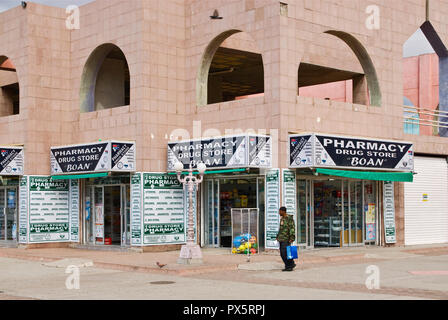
<point>136,209</point>
<point>289,192</point>
<point>49,210</point>
<point>389,212</point>
<point>23,210</point>
<point>272,201</point>
<point>163,209</point>
<point>74,210</point>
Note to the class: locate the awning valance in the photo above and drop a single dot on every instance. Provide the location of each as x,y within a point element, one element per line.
<point>80,176</point>
<point>369,175</point>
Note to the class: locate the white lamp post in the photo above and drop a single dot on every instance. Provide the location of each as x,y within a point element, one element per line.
<point>191,252</point>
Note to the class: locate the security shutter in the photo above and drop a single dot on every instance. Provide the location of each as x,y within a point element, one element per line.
<point>426,202</point>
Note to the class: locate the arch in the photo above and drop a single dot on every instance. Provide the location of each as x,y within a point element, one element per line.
<point>202,82</point>
<point>366,62</point>
<point>427,55</point>
<point>105,69</point>
<point>9,88</point>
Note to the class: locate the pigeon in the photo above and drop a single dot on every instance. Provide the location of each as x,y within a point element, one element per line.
<point>160,265</point>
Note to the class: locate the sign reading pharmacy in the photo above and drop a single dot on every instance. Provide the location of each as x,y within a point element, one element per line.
<point>239,151</point>
<point>11,161</point>
<point>95,157</point>
<point>316,150</point>
<point>163,209</point>
<point>49,210</point>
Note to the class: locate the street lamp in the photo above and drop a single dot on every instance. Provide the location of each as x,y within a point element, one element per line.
<point>191,252</point>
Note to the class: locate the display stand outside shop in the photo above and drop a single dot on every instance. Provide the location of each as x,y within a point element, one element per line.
<point>245,231</point>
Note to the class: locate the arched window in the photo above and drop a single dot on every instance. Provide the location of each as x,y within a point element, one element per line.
<point>231,69</point>
<point>105,81</point>
<point>9,84</point>
<point>425,65</point>
<point>336,83</point>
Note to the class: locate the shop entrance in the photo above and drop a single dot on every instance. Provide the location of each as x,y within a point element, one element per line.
<point>8,213</point>
<point>107,215</point>
<point>336,213</point>
<point>220,196</point>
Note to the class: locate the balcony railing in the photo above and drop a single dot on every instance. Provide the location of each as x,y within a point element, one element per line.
<point>423,121</point>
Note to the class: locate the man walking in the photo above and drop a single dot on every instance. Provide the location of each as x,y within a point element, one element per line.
<point>286,236</point>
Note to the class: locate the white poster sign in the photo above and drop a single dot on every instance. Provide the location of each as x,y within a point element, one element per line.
<point>23,210</point>
<point>272,202</point>
<point>163,209</point>
<point>74,210</point>
<point>136,209</point>
<point>289,192</point>
<point>389,212</point>
<point>49,210</point>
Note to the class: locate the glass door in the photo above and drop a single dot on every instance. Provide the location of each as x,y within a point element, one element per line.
<point>353,217</point>
<point>328,213</point>
<point>211,216</point>
<point>112,215</point>
<point>10,213</point>
<point>356,219</point>
<point>304,217</point>
<point>125,216</point>
<point>98,214</point>
<point>370,211</point>
<point>88,230</point>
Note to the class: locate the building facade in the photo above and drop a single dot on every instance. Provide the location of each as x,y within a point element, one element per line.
<point>100,102</point>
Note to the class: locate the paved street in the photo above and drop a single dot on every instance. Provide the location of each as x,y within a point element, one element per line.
<point>403,274</point>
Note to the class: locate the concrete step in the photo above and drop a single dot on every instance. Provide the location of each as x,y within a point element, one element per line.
<point>8,244</point>
<point>105,248</point>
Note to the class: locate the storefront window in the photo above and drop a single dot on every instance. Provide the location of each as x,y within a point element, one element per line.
<point>107,210</point>
<point>370,207</point>
<point>327,213</point>
<point>8,211</point>
<point>302,209</point>
<point>356,217</point>
<point>336,213</point>
<point>223,194</point>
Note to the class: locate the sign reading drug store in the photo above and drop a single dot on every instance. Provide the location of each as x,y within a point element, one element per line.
<point>316,150</point>
<point>93,157</point>
<point>241,151</point>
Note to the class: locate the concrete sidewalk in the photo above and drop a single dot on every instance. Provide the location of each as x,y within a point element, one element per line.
<point>215,259</point>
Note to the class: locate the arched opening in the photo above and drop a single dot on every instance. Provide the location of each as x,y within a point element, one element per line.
<point>333,83</point>
<point>425,79</point>
<point>9,84</point>
<point>231,69</point>
<point>105,81</point>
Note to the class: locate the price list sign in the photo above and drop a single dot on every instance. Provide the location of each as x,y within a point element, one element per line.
<point>163,218</point>
<point>49,209</point>
<point>272,206</point>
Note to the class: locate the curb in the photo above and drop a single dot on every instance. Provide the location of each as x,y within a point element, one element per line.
<point>192,269</point>
<point>132,268</point>
<point>426,250</point>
